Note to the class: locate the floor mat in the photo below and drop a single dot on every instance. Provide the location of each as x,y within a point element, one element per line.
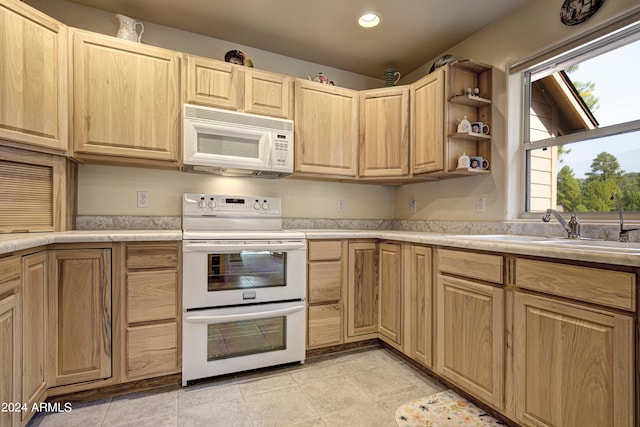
<point>443,409</point>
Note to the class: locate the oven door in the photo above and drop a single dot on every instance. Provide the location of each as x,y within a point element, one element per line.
<point>233,339</point>
<point>227,272</point>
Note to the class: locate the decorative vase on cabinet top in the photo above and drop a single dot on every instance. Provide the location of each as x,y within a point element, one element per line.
<point>128,28</point>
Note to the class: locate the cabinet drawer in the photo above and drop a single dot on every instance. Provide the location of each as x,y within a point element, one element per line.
<point>325,325</point>
<point>325,250</point>
<point>161,255</point>
<point>325,281</point>
<point>610,288</point>
<point>152,350</point>
<point>10,274</point>
<point>472,265</point>
<point>152,295</point>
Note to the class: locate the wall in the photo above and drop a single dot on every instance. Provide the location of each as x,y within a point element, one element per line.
<point>111,190</point>
<point>527,32</point>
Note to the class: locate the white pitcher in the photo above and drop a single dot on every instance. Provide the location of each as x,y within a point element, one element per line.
<point>128,28</point>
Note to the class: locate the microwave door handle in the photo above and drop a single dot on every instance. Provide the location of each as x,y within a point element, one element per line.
<point>211,247</point>
<point>223,318</point>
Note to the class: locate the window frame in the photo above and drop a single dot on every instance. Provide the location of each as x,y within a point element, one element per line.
<point>590,49</point>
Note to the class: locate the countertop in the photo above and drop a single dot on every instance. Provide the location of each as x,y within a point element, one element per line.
<point>21,241</point>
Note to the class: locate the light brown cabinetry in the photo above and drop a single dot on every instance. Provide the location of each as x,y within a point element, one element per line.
<point>362,291</point>
<point>126,101</point>
<point>418,303</point>
<point>573,361</point>
<point>33,78</point>
<point>233,87</point>
<point>470,323</point>
<point>438,103</point>
<point>326,130</point>
<point>384,133</point>
<point>391,293</point>
<point>427,119</point>
<point>34,331</point>
<point>152,310</point>
<point>10,340</point>
<point>325,276</point>
<point>80,318</point>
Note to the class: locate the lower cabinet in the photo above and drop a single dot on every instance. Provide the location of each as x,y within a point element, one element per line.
<point>324,293</point>
<point>573,361</point>
<point>34,330</point>
<point>470,325</point>
<point>80,329</point>
<point>418,304</point>
<point>151,295</point>
<point>391,292</point>
<point>10,340</point>
<point>362,291</point>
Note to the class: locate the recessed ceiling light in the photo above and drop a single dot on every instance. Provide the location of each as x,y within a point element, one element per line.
<point>369,19</point>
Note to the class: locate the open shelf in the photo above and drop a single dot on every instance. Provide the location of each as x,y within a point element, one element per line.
<point>471,136</point>
<point>470,100</point>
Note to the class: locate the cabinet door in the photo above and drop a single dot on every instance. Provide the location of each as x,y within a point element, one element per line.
<point>325,325</point>
<point>427,118</point>
<point>470,337</point>
<point>9,359</point>
<point>384,132</point>
<point>80,316</point>
<point>362,292</point>
<point>326,129</point>
<point>34,329</point>
<point>573,364</point>
<point>268,94</point>
<point>33,77</point>
<point>126,100</point>
<point>419,305</point>
<point>213,83</point>
<point>390,306</point>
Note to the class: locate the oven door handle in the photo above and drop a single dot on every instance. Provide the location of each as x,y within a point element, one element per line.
<point>243,316</point>
<point>224,247</point>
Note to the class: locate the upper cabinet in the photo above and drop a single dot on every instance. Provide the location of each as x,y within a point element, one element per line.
<point>439,102</point>
<point>384,133</point>
<point>427,133</point>
<point>234,87</point>
<point>326,129</point>
<point>33,78</point>
<point>125,102</point>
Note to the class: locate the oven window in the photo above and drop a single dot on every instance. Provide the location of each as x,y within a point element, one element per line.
<point>246,270</point>
<point>245,337</point>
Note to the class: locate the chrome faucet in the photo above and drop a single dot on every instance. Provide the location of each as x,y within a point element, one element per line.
<point>624,233</point>
<point>573,227</point>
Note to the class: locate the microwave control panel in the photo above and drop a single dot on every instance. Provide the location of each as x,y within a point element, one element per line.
<point>282,151</point>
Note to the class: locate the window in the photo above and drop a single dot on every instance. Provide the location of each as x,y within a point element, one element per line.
<point>582,127</point>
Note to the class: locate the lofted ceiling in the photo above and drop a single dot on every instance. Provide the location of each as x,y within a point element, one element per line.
<point>412,32</point>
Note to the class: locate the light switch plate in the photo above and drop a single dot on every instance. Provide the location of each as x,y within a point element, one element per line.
<point>143,199</point>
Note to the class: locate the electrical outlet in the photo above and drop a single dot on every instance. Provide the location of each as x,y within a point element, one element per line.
<point>412,206</point>
<point>340,206</point>
<point>143,199</point>
<point>480,204</point>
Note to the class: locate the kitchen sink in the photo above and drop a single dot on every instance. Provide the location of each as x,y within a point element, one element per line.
<point>594,245</point>
<point>499,237</point>
<point>586,244</point>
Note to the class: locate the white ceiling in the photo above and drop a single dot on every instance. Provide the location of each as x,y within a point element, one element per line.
<point>325,32</point>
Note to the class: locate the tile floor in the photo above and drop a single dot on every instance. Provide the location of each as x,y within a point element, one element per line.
<point>356,388</point>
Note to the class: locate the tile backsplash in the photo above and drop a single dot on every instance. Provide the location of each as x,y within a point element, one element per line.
<point>535,228</point>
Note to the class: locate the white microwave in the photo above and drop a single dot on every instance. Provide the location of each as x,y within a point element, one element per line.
<point>236,144</point>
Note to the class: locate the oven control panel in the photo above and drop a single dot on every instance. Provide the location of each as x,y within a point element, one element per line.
<point>195,204</point>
